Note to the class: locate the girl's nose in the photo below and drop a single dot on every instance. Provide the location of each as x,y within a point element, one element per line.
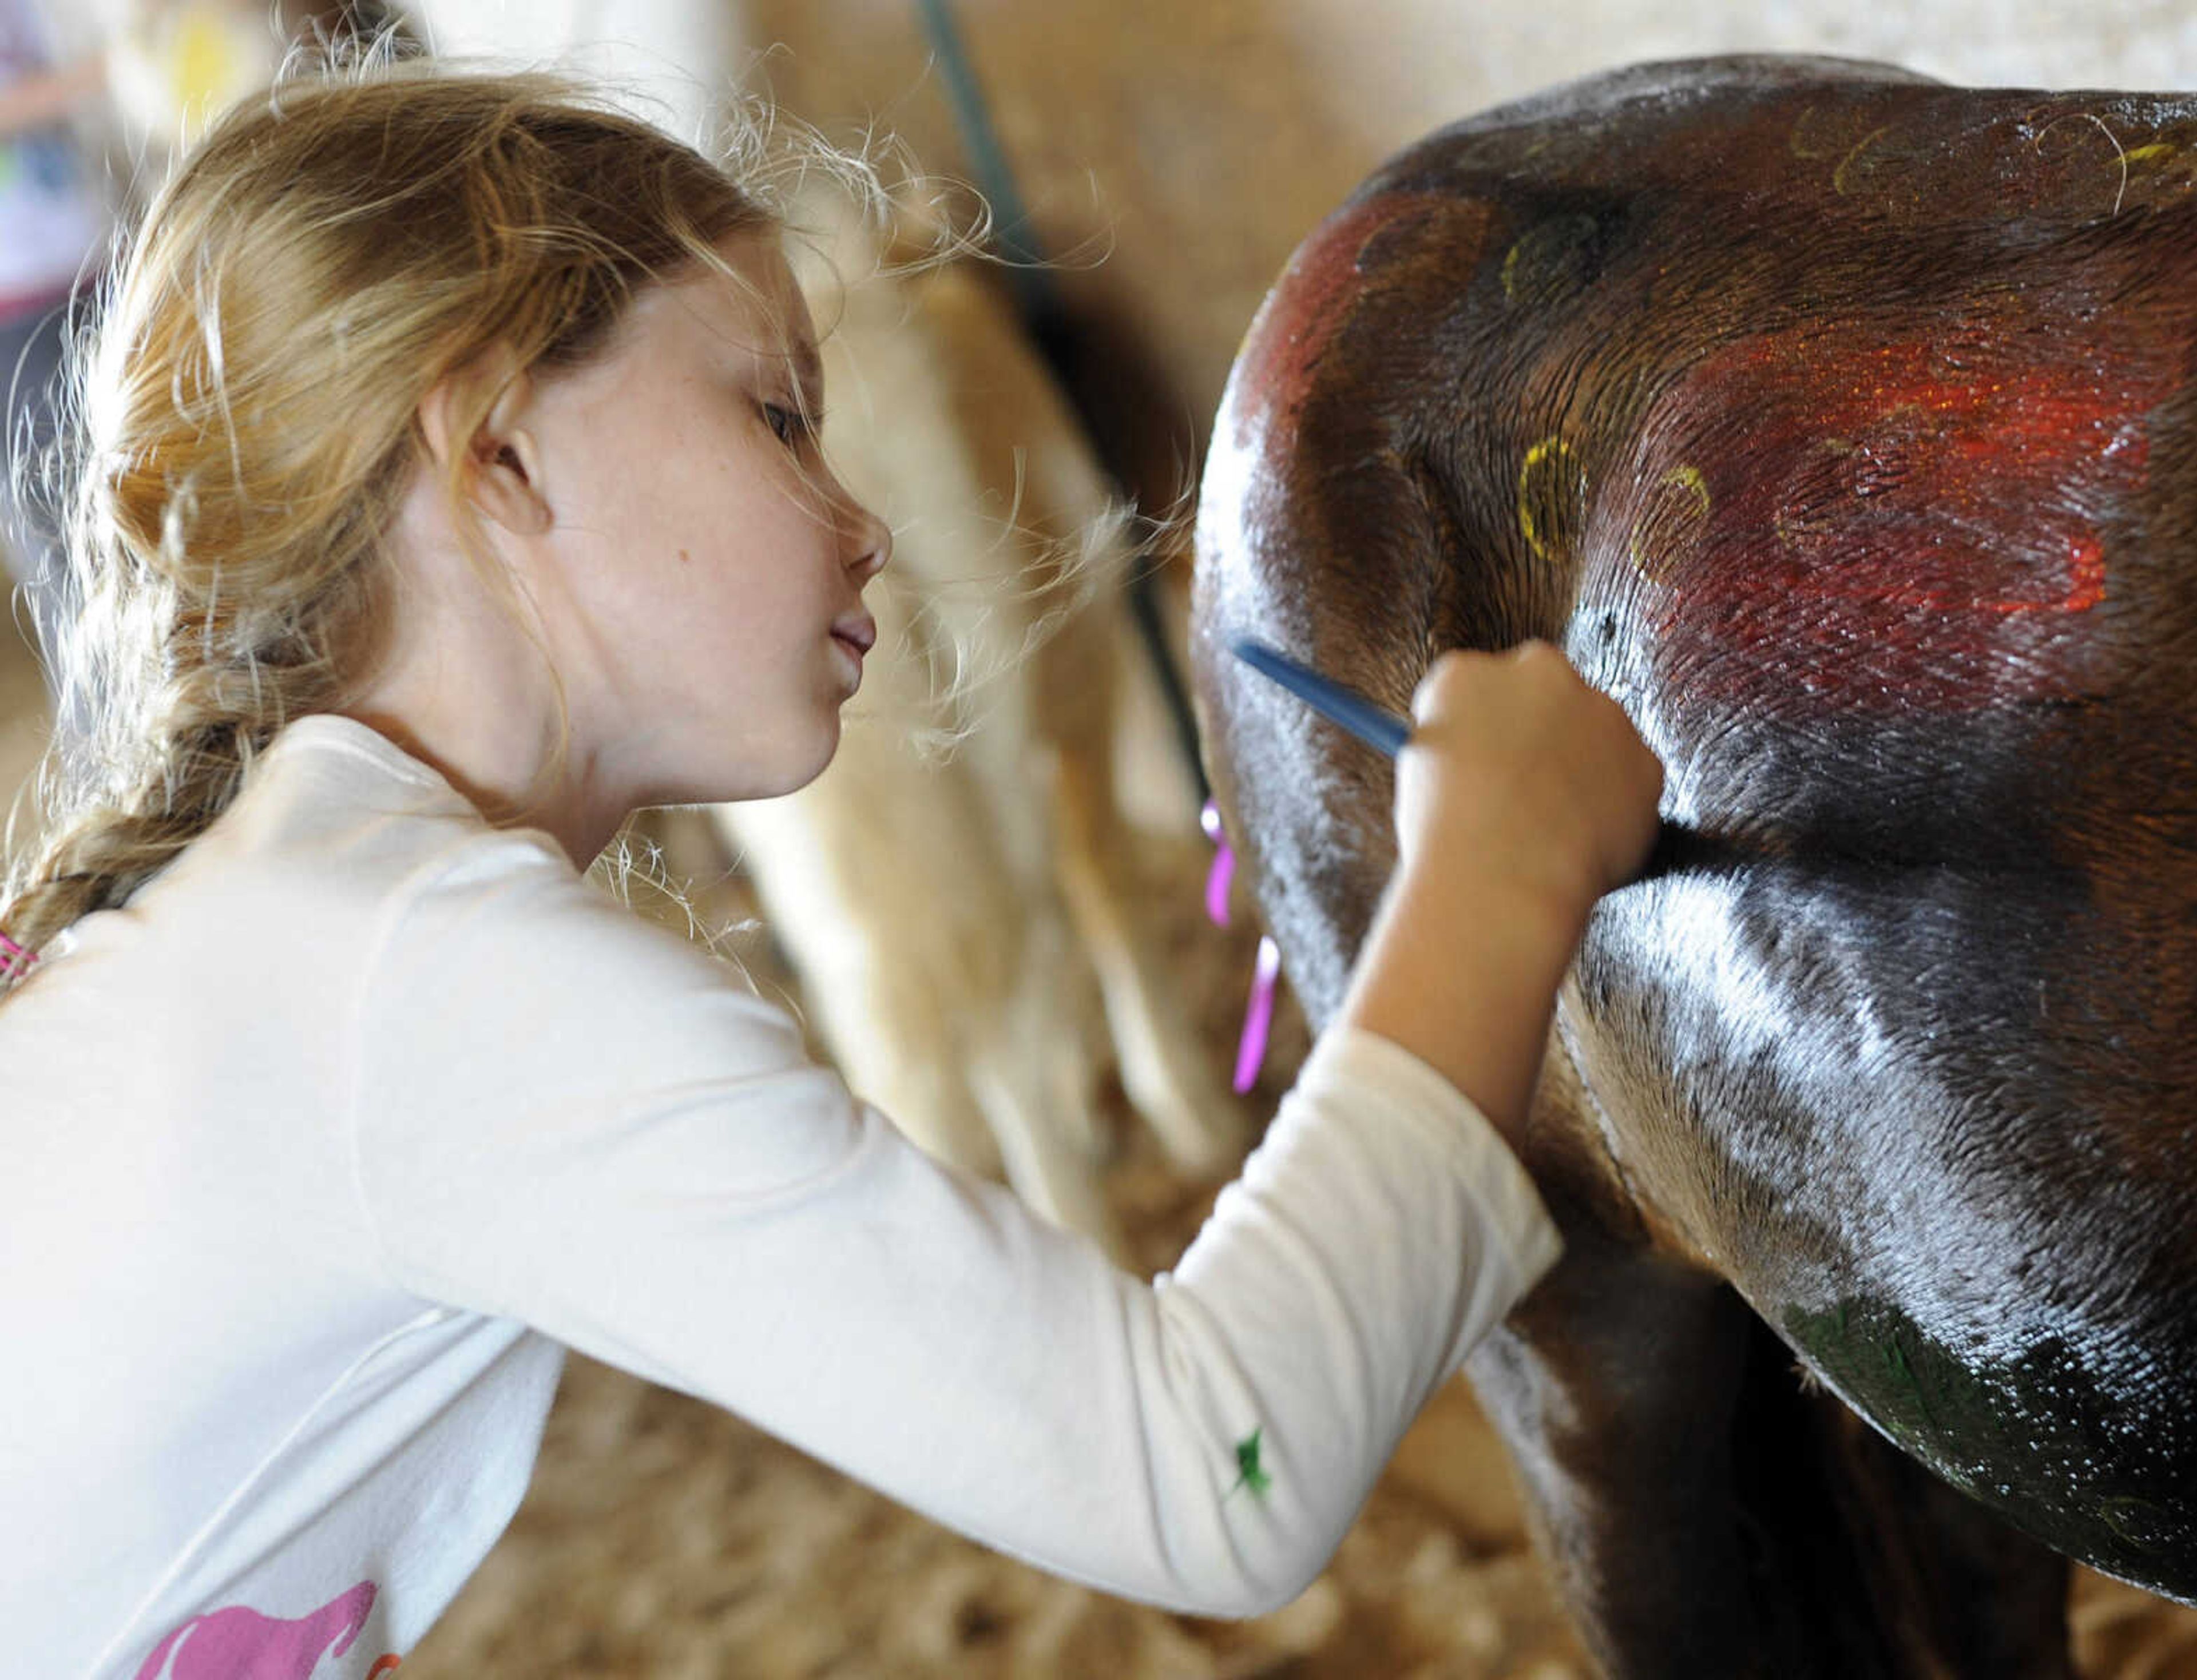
<point>869,539</point>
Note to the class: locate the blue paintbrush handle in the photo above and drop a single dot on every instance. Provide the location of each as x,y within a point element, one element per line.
<point>1376,725</point>
<point>1676,848</point>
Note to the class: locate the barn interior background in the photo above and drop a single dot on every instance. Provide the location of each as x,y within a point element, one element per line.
<point>1179,149</point>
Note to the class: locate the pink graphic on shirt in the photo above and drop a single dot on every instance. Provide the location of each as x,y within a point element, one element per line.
<point>237,1643</point>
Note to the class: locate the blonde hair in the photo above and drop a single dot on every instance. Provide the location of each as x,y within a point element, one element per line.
<point>246,418</point>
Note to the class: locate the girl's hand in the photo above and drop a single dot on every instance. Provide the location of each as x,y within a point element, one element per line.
<point>1517,770</point>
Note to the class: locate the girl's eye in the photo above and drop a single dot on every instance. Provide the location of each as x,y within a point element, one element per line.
<point>789,425</point>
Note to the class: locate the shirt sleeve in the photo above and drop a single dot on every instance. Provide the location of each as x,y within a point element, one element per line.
<point>567,1116</point>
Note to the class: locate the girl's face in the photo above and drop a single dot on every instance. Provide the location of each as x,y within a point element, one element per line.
<point>700,578</point>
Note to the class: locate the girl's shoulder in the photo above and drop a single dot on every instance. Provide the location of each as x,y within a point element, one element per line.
<point>337,834</point>
<point>340,790</point>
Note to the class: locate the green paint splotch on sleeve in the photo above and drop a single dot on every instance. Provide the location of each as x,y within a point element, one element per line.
<point>1248,1472</point>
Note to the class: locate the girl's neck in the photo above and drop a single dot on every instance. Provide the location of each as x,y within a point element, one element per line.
<point>464,688</point>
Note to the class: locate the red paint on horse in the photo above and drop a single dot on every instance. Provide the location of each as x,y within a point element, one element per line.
<point>1906,520</point>
<point>1312,301</point>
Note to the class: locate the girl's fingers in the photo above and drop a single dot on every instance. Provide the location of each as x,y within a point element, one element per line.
<point>1516,746</point>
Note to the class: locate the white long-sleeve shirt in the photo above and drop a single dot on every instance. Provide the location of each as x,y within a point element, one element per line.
<point>317,1156</point>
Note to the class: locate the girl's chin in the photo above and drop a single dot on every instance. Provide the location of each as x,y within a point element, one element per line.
<point>788,772</point>
<point>795,773</point>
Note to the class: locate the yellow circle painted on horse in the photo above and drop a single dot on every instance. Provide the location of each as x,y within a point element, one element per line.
<point>1551,496</point>
<point>1549,260</point>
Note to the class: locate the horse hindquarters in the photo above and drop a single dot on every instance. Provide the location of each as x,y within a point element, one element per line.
<point>1869,503</point>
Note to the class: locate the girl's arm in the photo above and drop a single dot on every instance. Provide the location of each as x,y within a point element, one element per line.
<point>569,1117</point>
<point>632,1156</point>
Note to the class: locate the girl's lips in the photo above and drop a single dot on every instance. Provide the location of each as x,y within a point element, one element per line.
<point>859,633</point>
<point>856,636</point>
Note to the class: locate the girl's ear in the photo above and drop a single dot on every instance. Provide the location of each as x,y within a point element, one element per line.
<point>502,473</point>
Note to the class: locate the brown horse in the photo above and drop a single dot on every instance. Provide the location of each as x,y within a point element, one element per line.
<point>1839,423</point>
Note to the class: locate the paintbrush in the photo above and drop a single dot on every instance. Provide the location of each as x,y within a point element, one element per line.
<point>1376,725</point>
<point>1387,731</point>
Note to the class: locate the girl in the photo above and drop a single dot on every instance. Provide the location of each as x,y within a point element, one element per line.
<point>449,490</point>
